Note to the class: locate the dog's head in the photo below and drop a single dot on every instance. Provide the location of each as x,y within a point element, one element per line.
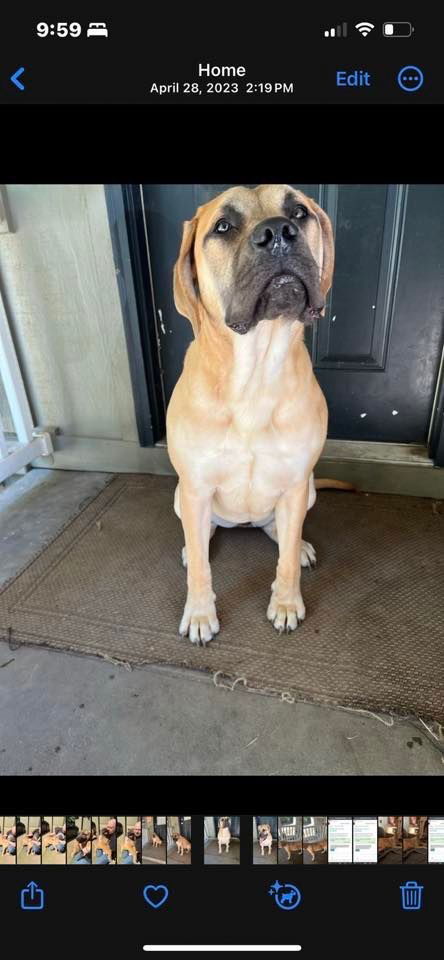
<point>224,822</point>
<point>252,255</point>
<point>264,829</point>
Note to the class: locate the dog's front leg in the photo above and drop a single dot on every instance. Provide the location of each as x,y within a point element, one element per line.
<point>286,608</point>
<point>199,619</point>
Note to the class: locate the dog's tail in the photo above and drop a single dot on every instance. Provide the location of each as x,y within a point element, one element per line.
<point>325,484</point>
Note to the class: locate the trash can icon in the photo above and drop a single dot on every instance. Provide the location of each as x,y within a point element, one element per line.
<point>411,895</point>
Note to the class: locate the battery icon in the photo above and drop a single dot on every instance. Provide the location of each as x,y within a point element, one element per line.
<point>399,29</point>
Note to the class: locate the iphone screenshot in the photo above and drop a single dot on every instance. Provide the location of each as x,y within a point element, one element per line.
<point>221,480</point>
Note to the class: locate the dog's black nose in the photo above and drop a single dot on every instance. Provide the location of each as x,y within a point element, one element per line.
<point>275,235</point>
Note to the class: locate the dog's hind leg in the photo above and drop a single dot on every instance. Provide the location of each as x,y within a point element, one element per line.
<point>308,553</point>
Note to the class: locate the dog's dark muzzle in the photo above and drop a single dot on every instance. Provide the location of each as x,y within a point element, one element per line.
<point>279,277</point>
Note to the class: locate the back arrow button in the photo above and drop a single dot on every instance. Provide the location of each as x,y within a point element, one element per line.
<point>15,78</point>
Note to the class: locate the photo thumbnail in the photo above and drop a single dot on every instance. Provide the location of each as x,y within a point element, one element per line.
<point>154,840</point>
<point>265,840</point>
<point>179,840</point>
<point>221,840</point>
<point>79,832</point>
<point>8,841</point>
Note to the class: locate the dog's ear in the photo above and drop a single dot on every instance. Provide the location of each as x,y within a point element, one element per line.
<point>328,253</point>
<point>328,248</point>
<point>185,283</point>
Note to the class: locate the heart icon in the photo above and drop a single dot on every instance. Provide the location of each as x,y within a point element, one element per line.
<point>155,896</point>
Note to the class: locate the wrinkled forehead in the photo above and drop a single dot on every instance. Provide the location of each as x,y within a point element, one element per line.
<point>250,206</point>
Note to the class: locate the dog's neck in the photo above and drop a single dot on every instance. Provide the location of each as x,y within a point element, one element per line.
<point>253,369</point>
<point>261,355</point>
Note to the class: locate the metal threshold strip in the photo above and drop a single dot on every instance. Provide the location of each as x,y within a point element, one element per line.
<point>373,452</point>
<point>369,451</point>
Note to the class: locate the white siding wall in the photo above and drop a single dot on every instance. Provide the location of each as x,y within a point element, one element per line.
<point>58,280</point>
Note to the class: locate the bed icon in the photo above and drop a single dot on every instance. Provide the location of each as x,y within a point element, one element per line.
<point>97,30</point>
<point>411,895</point>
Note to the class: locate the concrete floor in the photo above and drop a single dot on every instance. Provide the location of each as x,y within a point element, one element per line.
<point>320,857</point>
<point>173,857</point>
<point>266,859</point>
<point>67,714</point>
<point>151,854</point>
<point>295,858</point>
<point>212,857</point>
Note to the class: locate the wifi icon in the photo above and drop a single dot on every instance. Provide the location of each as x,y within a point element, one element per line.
<point>365,28</point>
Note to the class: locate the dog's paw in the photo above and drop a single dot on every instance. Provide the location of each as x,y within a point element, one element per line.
<point>308,554</point>
<point>285,614</point>
<point>199,621</point>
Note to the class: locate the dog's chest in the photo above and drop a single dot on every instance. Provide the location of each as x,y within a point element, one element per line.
<point>265,839</point>
<point>261,459</point>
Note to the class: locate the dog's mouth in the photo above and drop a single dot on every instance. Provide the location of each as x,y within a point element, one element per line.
<point>284,292</point>
<point>282,279</point>
<point>287,295</point>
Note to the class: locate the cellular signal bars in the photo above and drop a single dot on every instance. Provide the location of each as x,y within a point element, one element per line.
<point>339,31</point>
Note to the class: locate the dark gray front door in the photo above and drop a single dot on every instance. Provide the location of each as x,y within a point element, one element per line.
<point>272,821</point>
<point>234,825</point>
<point>377,350</point>
<point>185,827</point>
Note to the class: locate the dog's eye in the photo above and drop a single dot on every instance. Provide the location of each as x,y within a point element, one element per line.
<point>300,212</point>
<point>222,226</point>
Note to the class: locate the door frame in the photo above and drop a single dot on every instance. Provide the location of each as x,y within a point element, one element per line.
<point>134,279</point>
<point>435,439</point>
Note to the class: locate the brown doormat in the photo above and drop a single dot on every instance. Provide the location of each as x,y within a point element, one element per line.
<point>112,584</point>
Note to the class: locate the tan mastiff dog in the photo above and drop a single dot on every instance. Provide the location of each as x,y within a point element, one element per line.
<point>247,419</point>
<point>224,834</point>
